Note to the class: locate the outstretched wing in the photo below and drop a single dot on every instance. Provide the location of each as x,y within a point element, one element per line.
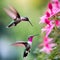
<point>15,11</point>
<point>20,43</point>
<point>12,12</point>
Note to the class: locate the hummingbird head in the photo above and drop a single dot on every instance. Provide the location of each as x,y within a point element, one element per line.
<point>31,38</point>
<point>26,18</point>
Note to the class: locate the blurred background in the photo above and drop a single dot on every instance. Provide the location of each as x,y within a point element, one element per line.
<point>33,9</point>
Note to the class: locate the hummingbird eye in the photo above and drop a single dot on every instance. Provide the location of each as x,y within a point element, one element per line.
<point>26,18</point>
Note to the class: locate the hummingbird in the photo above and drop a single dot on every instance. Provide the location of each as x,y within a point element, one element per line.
<point>12,12</point>
<point>27,45</point>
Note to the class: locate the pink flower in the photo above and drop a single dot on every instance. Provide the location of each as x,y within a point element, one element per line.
<point>53,9</point>
<point>47,14</point>
<point>46,40</point>
<point>47,21</point>
<point>56,2</point>
<point>48,29</point>
<point>57,22</point>
<point>56,6</point>
<point>50,7</point>
<point>48,48</point>
<point>44,19</point>
<point>47,45</point>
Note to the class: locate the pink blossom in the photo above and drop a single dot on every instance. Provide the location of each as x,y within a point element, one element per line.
<point>50,7</point>
<point>45,20</point>
<point>46,40</point>
<point>56,6</point>
<point>48,29</point>
<point>55,1</point>
<point>47,45</point>
<point>42,19</point>
<point>47,14</point>
<point>53,9</point>
<point>57,22</point>
<point>48,48</point>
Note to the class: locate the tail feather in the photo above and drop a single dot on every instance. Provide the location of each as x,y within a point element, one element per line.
<point>25,53</point>
<point>10,25</point>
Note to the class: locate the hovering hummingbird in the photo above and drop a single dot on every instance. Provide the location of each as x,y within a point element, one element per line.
<point>26,44</point>
<point>12,12</point>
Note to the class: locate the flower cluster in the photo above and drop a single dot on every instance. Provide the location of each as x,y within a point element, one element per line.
<point>52,20</point>
<point>47,45</point>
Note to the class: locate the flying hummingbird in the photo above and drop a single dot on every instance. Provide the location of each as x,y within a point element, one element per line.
<point>12,12</point>
<point>27,45</point>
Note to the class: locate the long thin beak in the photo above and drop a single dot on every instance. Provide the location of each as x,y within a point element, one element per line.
<point>30,23</point>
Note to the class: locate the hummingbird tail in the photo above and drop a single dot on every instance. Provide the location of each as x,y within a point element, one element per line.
<point>10,25</point>
<point>25,53</point>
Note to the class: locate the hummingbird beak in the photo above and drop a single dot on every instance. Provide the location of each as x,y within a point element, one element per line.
<point>30,23</point>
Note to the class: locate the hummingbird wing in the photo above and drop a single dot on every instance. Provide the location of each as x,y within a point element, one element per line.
<point>15,11</point>
<point>12,13</point>
<point>20,43</point>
